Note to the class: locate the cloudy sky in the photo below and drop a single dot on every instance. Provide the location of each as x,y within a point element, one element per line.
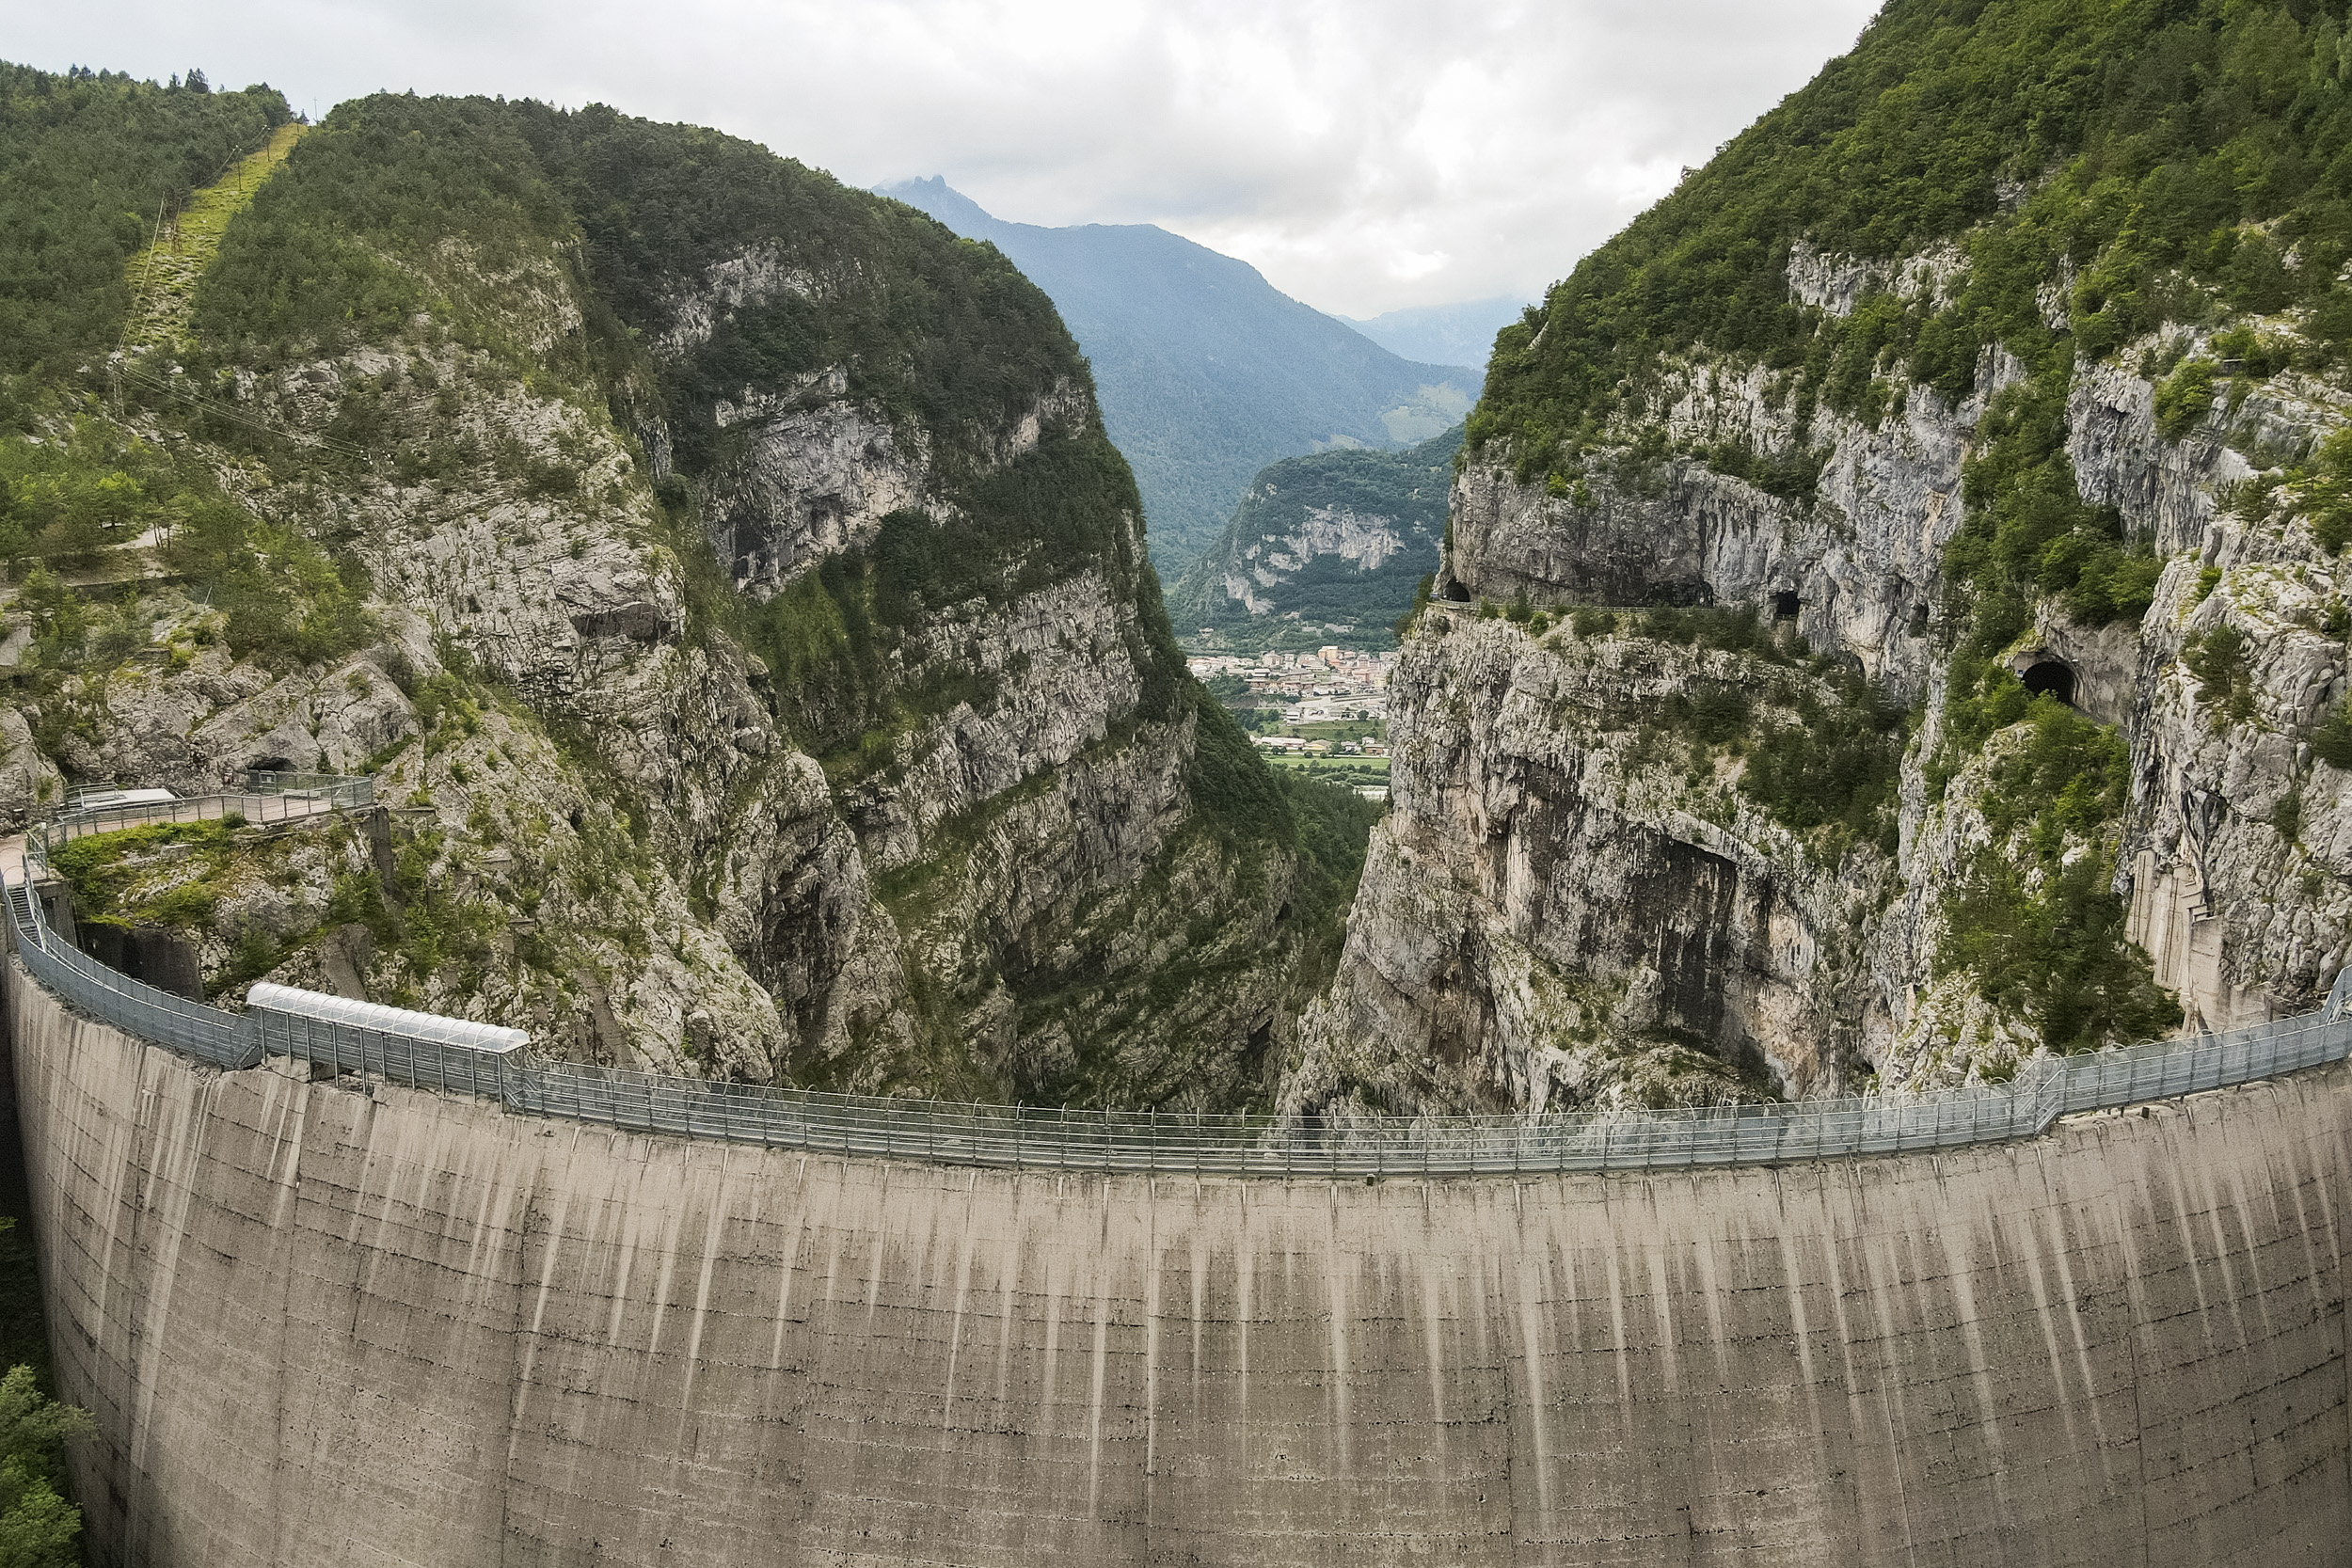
<point>1366,156</point>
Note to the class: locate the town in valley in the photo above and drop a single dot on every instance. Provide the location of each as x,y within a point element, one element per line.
<point>1324,713</point>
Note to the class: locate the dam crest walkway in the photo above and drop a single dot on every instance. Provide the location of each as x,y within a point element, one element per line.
<point>461,1056</point>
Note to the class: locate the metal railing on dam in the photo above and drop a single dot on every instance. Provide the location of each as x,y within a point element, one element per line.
<point>433,1055</point>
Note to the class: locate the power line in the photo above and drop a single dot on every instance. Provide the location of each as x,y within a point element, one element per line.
<point>239,416</point>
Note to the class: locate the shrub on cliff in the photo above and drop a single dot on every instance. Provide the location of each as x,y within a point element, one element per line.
<point>2035,915</point>
<point>85,487</point>
<point>2183,398</point>
<point>2029,532</point>
<point>1836,767</point>
<point>1711,713</point>
<point>1732,630</point>
<point>2225,680</point>
<point>2052,951</point>
<point>2327,493</point>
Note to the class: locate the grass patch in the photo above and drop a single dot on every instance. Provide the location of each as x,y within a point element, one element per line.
<point>106,870</point>
<point>162,275</point>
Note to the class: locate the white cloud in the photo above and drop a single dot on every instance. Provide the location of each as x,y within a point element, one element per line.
<point>1366,156</point>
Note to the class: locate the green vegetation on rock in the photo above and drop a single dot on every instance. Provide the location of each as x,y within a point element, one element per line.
<point>2028,531</point>
<point>91,160</point>
<point>1311,596</point>
<point>2183,158</point>
<point>86,489</point>
<point>1821,750</point>
<point>347,243</point>
<point>1835,767</point>
<point>2042,930</point>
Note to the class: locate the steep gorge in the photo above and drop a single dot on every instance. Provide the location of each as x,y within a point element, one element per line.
<point>2023,413</point>
<point>729,578</point>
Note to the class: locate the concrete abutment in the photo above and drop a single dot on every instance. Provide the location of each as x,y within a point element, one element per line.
<point>334,1321</point>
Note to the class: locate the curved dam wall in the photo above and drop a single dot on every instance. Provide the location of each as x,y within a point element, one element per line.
<point>334,1321</point>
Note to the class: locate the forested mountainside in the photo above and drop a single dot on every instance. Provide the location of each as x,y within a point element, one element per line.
<point>1325,547</point>
<point>1208,373</point>
<point>1974,429</point>
<point>726,572</point>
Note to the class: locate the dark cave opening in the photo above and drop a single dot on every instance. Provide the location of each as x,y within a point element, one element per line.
<point>2054,676</point>
<point>1785,604</point>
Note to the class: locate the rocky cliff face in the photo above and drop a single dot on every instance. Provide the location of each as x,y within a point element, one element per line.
<point>1324,547</point>
<point>1363,542</point>
<point>1555,912</point>
<point>1855,560</point>
<point>2000,373</point>
<point>1570,904</point>
<point>742,605</point>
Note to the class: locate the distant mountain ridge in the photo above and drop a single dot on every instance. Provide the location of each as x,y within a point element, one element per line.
<point>1460,334</point>
<point>1323,549</point>
<point>1206,371</point>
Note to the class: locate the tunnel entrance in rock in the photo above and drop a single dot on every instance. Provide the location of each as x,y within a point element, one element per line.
<point>1679,594</point>
<point>2054,676</point>
<point>1785,604</point>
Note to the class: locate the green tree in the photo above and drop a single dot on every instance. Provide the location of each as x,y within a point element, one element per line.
<point>39,1529</point>
<point>2184,397</point>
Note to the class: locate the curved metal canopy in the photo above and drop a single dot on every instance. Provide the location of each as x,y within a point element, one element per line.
<point>390,1021</point>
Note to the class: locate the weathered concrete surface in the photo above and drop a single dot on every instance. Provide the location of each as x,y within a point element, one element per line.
<point>320,1322</point>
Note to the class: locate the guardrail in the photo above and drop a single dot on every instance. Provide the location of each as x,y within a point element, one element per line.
<point>257,805</point>
<point>336,788</point>
<point>430,1054</point>
<point>1024,1137</point>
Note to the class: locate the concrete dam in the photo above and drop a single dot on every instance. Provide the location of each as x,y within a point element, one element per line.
<point>344,1321</point>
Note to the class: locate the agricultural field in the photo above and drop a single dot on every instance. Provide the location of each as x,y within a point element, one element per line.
<point>1352,772</point>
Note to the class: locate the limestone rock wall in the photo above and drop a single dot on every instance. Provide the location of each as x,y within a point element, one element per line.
<point>2233,855</point>
<point>1862,558</point>
<point>710,678</point>
<point>1563,909</point>
<point>331,1323</point>
<point>1362,541</point>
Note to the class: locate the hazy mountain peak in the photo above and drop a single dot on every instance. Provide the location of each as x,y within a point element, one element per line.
<point>945,202</point>
<point>1206,371</point>
<point>1463,333</point>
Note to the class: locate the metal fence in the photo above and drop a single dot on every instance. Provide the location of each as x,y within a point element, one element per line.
<point>1004,1136</point>
<point>334,788</point>
<point>1024,1137</point>
<point>359,1037</point>
<point>210,1033</point>
<point>257,805</point>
